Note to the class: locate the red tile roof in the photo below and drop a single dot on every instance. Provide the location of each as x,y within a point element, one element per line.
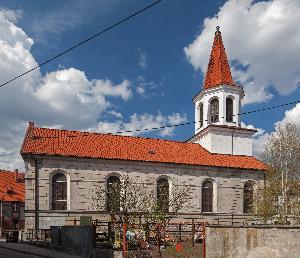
<point>10,189</point>
<point>218,71</point>
<point>45,141</point>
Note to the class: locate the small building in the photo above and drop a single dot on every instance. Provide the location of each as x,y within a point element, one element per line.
<point>65,168</point>
<point>12,203</point>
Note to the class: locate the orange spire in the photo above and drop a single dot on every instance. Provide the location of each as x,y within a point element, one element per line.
<point>218,70</point>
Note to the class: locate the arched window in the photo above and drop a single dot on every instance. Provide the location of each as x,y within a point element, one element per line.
<point>214,111</point>
<point>229,110</point>
<point>163,194</point>
<point>113,194</point>
<point>59,192</point>
<point>201,114</point>
<point>207,196</point>
<point>248,197</point>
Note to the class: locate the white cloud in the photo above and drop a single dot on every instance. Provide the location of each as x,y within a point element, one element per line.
<point>140,90</point>
<point>106,88</point>
<point>11,136</point>
<point>142,59</point>
<point>258,138</point>
<point>261,136</point>
<point>293,115</point>
<point>115,114</point>
<point>147,89</point>
<point>142,122</point>
<point>63,98</point>
<point>262,38</point>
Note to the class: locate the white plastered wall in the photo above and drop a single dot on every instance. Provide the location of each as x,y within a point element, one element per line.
<point>220,93</point>
<point>225,140</point>
<point>88,175</point>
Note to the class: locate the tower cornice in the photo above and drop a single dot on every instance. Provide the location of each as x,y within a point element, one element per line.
<point>223,87</point>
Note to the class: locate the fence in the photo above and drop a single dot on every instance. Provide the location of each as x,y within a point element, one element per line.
<point>41,236</point>
<point>152,240</point>
<point>242,220</point>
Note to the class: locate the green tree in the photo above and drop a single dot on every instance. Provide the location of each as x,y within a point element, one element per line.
<point>280,197</point>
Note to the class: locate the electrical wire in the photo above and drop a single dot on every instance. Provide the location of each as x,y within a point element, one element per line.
<point>182,124</point>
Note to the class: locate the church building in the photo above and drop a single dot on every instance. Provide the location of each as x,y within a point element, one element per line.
<point>64,168</point>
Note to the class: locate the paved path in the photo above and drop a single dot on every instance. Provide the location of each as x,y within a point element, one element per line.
<point>5,253</point>
<point>12,250</point>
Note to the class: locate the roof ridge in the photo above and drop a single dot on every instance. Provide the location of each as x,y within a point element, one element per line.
<point>131,148</point>
<point>108,134</point>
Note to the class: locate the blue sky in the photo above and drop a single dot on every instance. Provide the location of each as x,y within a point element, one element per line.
<point>150,66</point>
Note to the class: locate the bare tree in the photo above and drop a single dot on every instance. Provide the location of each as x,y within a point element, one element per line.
<point>129,199</point>
<point>280,197</point>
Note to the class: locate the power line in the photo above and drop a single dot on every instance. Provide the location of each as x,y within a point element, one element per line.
<point>187,123</point>
<point>83,42</point>
<point>194,122</point>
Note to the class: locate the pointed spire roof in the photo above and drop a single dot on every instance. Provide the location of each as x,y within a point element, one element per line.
<point>218,70</point>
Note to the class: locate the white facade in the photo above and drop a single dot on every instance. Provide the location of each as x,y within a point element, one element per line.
<point>86,176</point>
<point>221,136</point>
<point>233,140</point>
<point>236,93</point>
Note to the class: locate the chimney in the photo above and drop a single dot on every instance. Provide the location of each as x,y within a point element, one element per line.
<point>30,134</point>
<point>17,175</point>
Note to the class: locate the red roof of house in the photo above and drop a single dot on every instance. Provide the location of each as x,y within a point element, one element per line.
<point>218,70</point>
<point>12,187</point>
<point>45,141</point>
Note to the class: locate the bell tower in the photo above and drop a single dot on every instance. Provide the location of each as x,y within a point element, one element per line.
<point>218,107</point>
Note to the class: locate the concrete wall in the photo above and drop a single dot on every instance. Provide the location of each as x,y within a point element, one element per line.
<point>86,176</point>
<point>252,241</point>
<point>78,240</point>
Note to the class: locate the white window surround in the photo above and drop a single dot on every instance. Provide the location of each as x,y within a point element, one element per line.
<point>59,171</point>
<point>198,114</point>
<point>210,109</point>
<point>221,92</point>
<point>116,175</point>
<point>215,195</point>
<point>234,109</point>
<point>170,188</point>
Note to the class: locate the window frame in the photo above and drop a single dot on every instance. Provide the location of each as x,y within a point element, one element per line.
<point>16,207</point>
<point>207,198</point>
<point>214,110</point>
<point>229,110</point>
<point>108,207</point>
<point>163,199</point>
<point>201,115</point>
<point>248,200</point>
<point>56,200</point>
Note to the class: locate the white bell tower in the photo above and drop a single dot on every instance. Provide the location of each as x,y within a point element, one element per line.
<point>218,107</point>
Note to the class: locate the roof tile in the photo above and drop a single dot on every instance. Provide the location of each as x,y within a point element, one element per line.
<point>218,71</point>
<point>45,141</point>
<point>8,182</point>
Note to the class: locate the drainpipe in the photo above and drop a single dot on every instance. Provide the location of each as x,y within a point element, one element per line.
<point>232,141</point>
<point>36,194</point>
